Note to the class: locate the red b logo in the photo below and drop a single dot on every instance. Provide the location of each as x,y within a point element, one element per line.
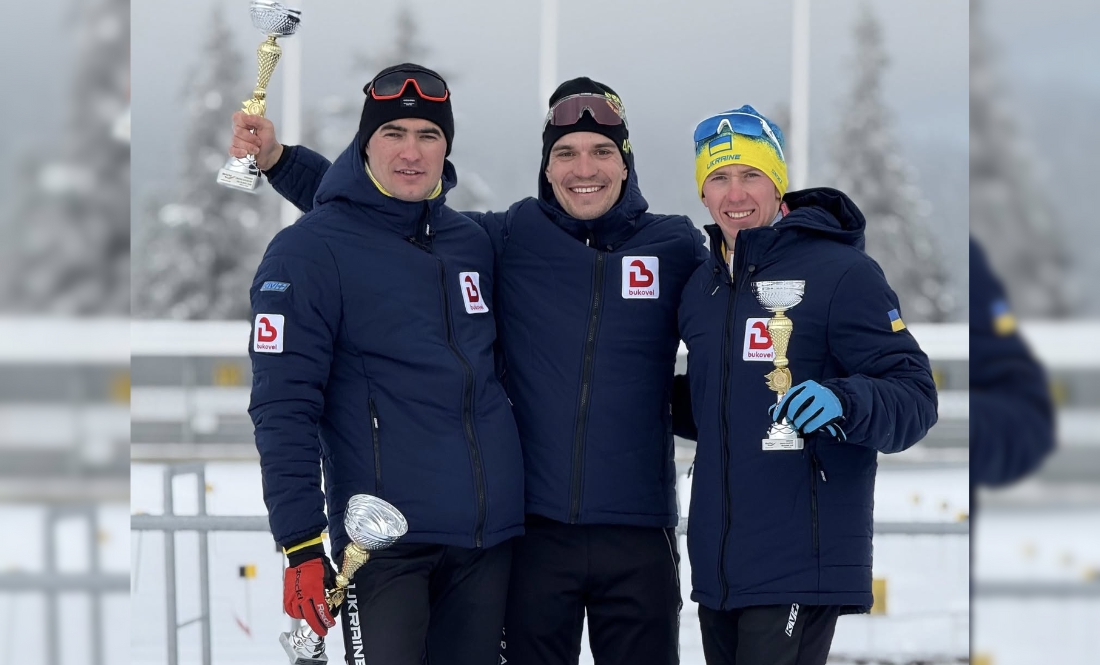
<point>759,339</point>
<point>642,277</point>
<point>266,332</point>
<point>471,290</point>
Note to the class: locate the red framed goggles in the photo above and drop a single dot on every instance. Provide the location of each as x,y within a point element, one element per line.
<point>568,110</point>
<point>393,85</point>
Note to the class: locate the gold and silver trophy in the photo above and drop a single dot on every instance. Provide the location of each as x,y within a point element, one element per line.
<point>275,20</point>
<point>778,297</point>
<point>372,524</point>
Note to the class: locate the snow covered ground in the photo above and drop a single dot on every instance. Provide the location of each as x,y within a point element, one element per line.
<point>927,575</point>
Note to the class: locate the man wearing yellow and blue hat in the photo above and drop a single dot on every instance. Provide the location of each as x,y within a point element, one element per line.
<point>780,538</point>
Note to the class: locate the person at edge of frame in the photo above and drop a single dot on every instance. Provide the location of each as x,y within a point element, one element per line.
<point>780,539</point>
<point>372,355</point>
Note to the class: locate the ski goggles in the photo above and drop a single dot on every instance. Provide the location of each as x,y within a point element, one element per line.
<point>568,111</point>
<point>736,122</point>
<point>391,86</point>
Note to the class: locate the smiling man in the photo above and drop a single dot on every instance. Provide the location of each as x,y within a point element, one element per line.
<point>373,351</point>
<point>780,538</point>
<point>588,282</point>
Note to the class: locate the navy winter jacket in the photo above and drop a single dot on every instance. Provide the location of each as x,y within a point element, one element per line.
<point>781,527</point>
<point>1011,415</point>
<point>587,316</point>
<point>382,315</point>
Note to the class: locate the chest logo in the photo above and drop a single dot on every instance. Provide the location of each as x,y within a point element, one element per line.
<point>758,344</point>
<point>470,283</point>
<point>641,277</point>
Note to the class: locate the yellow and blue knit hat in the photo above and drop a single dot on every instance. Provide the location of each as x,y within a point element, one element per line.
<point>740,136</point>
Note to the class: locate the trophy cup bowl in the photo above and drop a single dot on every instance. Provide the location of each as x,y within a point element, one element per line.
<point>372,524</point>
<point>275,20</point>
<point>779,296</point>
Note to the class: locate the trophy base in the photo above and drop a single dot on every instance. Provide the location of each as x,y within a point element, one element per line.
<point>781,436</point>
<point>782,444</point>
<point>241,174</point>
<point>296,658</point>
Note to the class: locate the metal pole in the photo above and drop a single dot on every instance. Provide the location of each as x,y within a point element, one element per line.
<point>204,570</point>
<point>290,133</point>
<point>798,153</point>
<point>97,596</point>
<point>170,573</point>
<point>53,604</point>
<point>548,53</point>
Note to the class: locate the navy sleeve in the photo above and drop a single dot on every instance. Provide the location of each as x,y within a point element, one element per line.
<point>496,225</point>
<point>296,308</point>
<point>683,420</point>
<point>1011,412</point>
<point>297,175</point>
<point>888,394</point>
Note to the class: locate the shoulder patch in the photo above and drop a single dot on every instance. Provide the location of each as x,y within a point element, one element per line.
<point>275,286</point>
<point>1004,321</point>
<point>896,324</point>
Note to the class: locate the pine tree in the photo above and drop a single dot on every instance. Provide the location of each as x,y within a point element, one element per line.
<point>871,171</point>
<point>199,251</point>
<point>66,249</point>
<point>1009,215</point>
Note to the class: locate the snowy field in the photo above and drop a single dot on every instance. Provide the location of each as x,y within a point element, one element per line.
<point>927,575</point>
<point>927,580</point>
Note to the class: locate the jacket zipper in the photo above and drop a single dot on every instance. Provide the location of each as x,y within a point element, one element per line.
<point>586,389</point>
<point>727,345</point>
<point>816,469</point>
<point>467,409</point>
<point>374,428</point>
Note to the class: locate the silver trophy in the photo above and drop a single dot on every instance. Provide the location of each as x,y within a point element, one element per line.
<point>778,297</point>
<point>274,20</point>
<point>372,525</point>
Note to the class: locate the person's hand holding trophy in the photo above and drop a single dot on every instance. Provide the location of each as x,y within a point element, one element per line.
<point>372,524</point>
<point>275,20</point>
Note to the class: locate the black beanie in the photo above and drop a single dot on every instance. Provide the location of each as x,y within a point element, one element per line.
<point>617,133</point>
<point>377,112</point>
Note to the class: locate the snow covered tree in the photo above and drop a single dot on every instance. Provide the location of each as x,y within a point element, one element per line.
<point>66,247</point>
<point>869,168</point>
<point>1009,215</point>
<point>199,251</point>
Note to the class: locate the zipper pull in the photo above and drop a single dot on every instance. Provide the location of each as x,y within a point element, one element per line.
<point>820,468</point>
<point>375,421</point>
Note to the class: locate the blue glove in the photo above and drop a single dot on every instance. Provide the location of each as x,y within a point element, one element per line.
<point>810,406</point>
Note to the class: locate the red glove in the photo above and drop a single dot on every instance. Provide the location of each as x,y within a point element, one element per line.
<point>304,584</point>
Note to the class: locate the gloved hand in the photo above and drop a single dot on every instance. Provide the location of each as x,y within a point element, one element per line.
<point>810,406</point>
<point>307,576</point>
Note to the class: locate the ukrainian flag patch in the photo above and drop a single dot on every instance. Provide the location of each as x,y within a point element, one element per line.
<point>1004,321</point>
<point>896,324</point>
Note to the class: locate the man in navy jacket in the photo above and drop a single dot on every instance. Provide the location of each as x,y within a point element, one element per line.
<point>372,355</point>
<point>780,539</point>
<point>1011,414</point>
<point>587,289</point>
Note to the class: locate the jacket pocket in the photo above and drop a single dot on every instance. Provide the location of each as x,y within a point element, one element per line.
<point>377,442</point>
<point>817,474</point>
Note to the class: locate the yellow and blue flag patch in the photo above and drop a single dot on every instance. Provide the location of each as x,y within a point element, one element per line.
<point>1004,321</point>
<point>896,324</point>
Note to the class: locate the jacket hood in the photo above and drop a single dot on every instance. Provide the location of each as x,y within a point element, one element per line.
<point>825,212</point>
